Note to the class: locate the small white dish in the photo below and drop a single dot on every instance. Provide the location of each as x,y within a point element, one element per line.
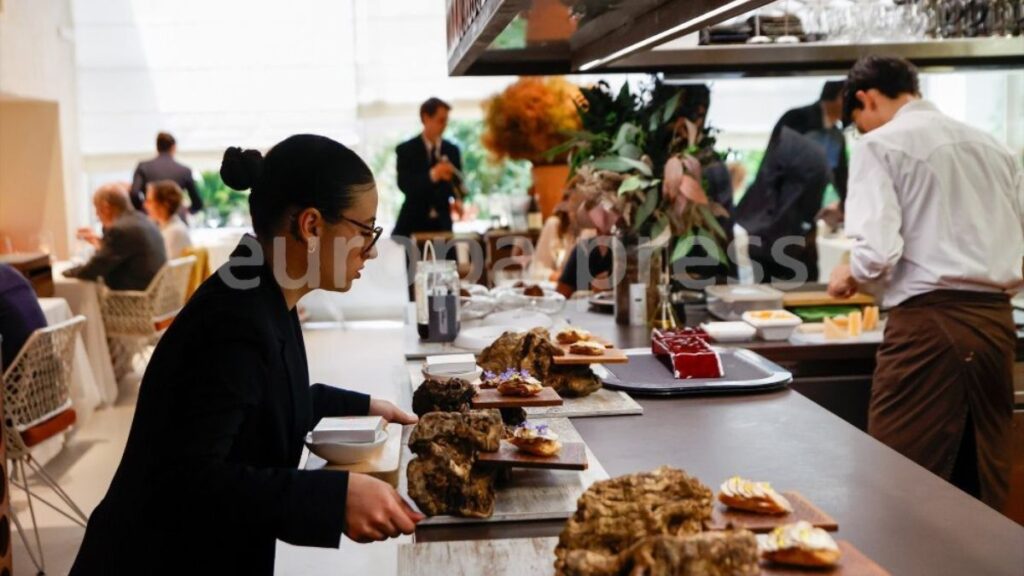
<point>480,337</point>
<point>470,376</point>
<point>348,452</point>
<point>730,331</point>
<point>773,325</point>
<point>519,320</point>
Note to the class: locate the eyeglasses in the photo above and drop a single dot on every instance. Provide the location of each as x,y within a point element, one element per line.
<point>376,231</point>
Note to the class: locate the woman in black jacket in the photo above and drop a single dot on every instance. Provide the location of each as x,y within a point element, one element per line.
<point>209,481</point>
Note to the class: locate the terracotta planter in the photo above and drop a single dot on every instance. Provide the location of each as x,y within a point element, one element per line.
<point>549,183</point>
<point>547,21</point>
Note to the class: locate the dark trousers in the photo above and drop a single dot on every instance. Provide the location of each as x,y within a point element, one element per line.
<point>943,388</point>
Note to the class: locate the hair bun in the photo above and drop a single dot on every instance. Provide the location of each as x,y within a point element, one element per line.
<point>241,169</point>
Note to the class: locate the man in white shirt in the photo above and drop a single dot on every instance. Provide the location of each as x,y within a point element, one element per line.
<point>936,210</point>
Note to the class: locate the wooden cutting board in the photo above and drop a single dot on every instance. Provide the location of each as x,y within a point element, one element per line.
<point>803,509</point>
<point>536,557</point>
<point>572,456</point>
<point>612,355</point>
<point>821,298</point>
<point>490,398</point>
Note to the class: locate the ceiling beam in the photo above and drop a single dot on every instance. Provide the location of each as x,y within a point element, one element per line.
<point>476,35</point>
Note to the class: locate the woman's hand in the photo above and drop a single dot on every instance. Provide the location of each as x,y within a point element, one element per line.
<point>390,412</point>
<point>374,511</point>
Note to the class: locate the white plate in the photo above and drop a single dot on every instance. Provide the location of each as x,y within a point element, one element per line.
<point>730,331</point>
<point>470,377</point>
<point>476,339</point>
<point>348,452</point>
<point>519,319</point>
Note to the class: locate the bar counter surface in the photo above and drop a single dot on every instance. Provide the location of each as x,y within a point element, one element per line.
<point>897,513</point>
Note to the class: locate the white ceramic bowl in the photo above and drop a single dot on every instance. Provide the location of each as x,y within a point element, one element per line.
<point>471,376</point>
<point>348,452</point>
<point>779,327</point>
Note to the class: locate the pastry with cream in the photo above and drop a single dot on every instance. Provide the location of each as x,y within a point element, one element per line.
<point>751,496</point>
<point>571,335</point>
<point>800,544</point>
<point>587,348</point>
<point>536,439</point>
<point>514,382</point>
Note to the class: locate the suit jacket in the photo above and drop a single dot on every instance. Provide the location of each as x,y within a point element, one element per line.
<point>20,314</point>
<point>131,254</point>
<point>209,480</point>
<point>785,195</point>
<point>808,120</point>
<point>164,167</point>
<point>420,193</point>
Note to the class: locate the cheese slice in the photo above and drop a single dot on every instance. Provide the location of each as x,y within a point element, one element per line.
<point>832,329</point>
<point>856,325</point>
<point>870,318</point>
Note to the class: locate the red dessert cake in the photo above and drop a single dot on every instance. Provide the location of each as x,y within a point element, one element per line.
<point>687,353</point>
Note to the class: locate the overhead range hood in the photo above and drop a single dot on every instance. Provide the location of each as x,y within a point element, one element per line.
<point>533,37</point>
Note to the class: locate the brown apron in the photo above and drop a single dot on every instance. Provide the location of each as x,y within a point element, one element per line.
<point>943,388</point>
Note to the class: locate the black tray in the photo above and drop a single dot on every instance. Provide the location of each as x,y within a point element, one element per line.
<point>745,371</point>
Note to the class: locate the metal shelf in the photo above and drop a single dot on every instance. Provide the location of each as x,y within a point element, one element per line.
<point>823,58</point>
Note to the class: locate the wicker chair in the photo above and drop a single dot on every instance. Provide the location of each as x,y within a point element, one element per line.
<point>135,319</point>
<point>37,407</point>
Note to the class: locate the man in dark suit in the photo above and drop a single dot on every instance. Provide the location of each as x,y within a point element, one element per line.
<point>131,251</point>
<point>820,123</point>
<point>164,167</point>
<point>428,168</point>
<point>779,209</point>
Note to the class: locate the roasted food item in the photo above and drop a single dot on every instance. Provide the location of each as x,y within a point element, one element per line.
<point>732,553</point>
<point>537,439</point>
<point>444,478</point>
<point>533,351</point>
<point>519,383</point>
<point>435,396</point>
<point>573,381</point>
<point>533,290</point>
<point>476,430</point>
<point>612,515</point>
<point>801,544</point>
<point>571,335</point>
<point>587,349</point>
<point>751,496</point>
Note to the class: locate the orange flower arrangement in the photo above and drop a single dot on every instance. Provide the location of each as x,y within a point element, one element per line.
<point>530,117</point>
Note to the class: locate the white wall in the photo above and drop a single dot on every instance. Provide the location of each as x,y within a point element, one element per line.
<point>37,63</point>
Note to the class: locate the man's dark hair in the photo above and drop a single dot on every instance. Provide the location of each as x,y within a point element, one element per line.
<point>890,76</point>
<point>164,142</point>
<point>431,106</point>
<point>831,90</point>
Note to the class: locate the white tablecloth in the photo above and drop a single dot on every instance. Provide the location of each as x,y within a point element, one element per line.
<point>85,394</point>
<point>83,298</point>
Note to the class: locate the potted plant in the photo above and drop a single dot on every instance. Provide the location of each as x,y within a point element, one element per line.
<point>639,160</point>
<point>526,121</point>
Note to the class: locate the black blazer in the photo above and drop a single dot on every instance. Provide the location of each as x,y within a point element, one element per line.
<point>420,193</point>
<point>808,119</point>
<point>131,253</point>
<point>208,481</point>
<point>164,167</point>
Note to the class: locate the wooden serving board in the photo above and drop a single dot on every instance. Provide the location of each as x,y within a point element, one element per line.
<point>603,402</point>
<point>821,298</point>
<point>536,557</point>
<point>722,517</point>
<point>527,494</point>
<point>384,466</point>
<point>572,456</point>
<point>612,355</point>
<point>490,398</point>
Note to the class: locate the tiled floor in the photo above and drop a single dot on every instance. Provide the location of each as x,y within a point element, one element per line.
<point>359,358</point>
